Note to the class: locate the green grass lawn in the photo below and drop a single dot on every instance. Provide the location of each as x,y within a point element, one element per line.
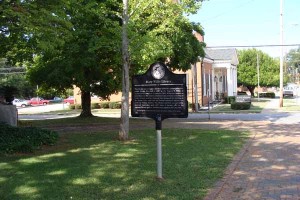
<point>291,104</point>
<point>97,166</point>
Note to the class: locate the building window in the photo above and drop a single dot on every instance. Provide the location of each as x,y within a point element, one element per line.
<point>216,79</point>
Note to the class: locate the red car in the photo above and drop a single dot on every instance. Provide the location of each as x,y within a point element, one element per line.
<point>69,100</point>
<point>38,101</point>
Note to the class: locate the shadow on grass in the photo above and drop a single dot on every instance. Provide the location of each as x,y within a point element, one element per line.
<point>97,166</point>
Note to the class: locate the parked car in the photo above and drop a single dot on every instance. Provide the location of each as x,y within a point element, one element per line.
<point>38,101</point>
<point>20,103</point>
<point>69,100</point>
<point>56,100</point>
<point>243,97</point>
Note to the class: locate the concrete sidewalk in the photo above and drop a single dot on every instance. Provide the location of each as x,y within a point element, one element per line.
<point>271,107</point>
<point>268,167</point>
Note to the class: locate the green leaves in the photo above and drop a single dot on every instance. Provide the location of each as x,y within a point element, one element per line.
<point>160,31</point>
<point>75,42</point>
<point>24,139</point>
<point>247,68</point>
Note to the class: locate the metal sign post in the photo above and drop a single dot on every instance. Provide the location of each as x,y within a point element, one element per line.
<point>158,146</point>
<point>159,94</point>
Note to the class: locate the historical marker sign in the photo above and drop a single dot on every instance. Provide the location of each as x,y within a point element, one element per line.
<point>159,93</point>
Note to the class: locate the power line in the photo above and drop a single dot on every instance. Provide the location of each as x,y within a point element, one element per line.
<point>12,73</point>
<point>12,70</point>
<point>248,46</point>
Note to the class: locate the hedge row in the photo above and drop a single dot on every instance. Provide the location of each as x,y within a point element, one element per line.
<point>192,106</point>
<point>229,100</point>
<point>267,95</point>
<point>240,105</point>
<point>104,105</point>
<point>24,139</point>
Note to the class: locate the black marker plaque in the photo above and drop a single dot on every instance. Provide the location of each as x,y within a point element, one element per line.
<point>159,94</point>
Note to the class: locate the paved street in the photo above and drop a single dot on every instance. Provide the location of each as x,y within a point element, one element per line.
<point>269,114</point>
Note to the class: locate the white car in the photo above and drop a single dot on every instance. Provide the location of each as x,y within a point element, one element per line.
<point>243,97</point>
<point>20,103</point>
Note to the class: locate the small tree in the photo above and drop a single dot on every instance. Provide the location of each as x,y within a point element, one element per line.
<point>293,65</point>
<point>124,124</point>
<point>157,31</point>
<point>247,69</point>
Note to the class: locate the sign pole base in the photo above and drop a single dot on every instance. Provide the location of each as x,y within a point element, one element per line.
<point>159,154</point>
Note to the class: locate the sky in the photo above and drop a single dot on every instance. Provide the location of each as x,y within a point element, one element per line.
<point>250,22</point>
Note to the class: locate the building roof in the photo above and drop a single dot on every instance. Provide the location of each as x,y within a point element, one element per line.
<point>224,55</point>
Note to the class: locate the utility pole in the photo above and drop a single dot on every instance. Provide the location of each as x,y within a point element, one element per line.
<point>281,55</point>
<point>257,76</point>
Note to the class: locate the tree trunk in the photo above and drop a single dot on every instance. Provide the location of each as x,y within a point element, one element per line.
<point>251,89</point>
<point>124,123</point>
<point>86,104</point>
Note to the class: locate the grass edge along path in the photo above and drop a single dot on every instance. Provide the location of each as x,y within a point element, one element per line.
<point>97,166</point>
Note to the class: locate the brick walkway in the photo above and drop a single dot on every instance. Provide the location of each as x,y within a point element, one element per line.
<point>268,167</point>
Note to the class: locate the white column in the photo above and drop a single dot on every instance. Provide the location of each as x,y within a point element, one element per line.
<point>213,84</point>
<point>209,85</point>
<point>234,75</point>
<point>229,81</point>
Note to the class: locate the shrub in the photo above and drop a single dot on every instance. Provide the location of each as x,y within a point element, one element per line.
<point>78,106</point>
<point>118,105</point>
<point>72,106</point>
<point>271,95</point>
<point>104,105</point>
<point>240,105</point>
<point>95,106</point>
<point>229,99</point>
<point>192,106</point>
<point>115,105</point>
<point>267,95</point>
<point>24,139</point>
<point>75,106</point>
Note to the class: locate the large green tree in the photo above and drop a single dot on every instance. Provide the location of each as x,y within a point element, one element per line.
<point>70,42</point>
<point>78,42</point>
<point>247,69</point>
<point>90,54</point>
<point>160,31</point>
